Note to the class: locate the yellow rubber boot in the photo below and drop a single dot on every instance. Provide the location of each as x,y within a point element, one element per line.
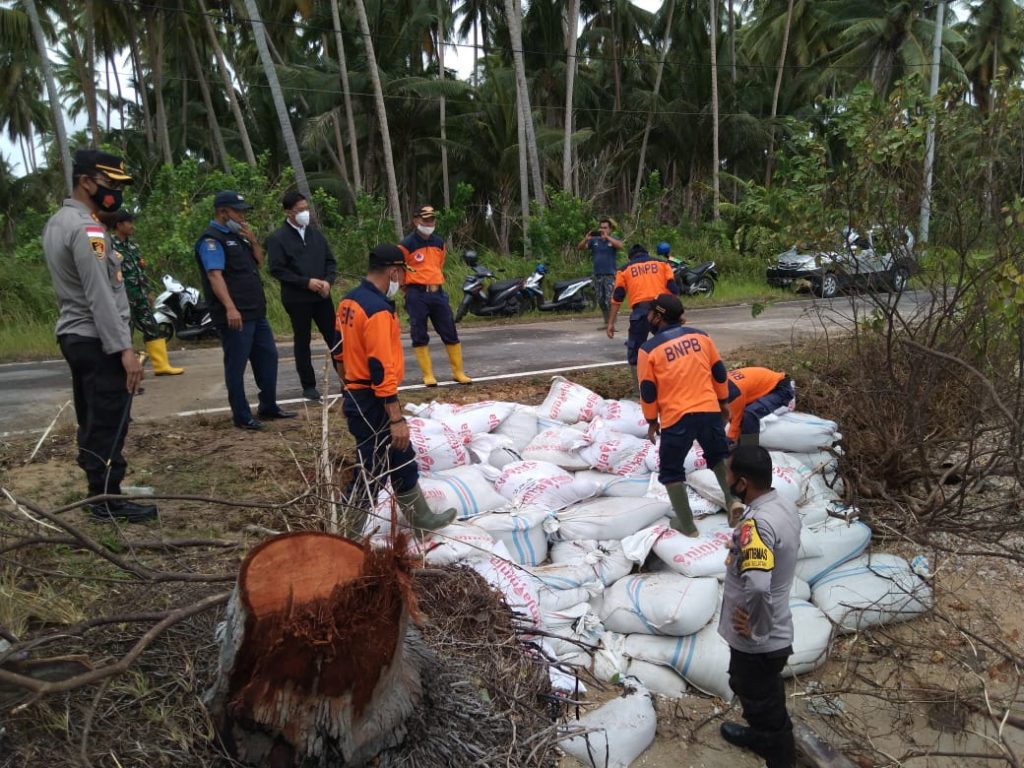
<point>157,351</point>
<point>455,358</point>
<point>423,358</point>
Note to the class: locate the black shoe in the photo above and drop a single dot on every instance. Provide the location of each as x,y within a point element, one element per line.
<point>738,735</point>
<point>311,393</point>
<point>127,511</point>
<point>277,414</point>
<point>252,424</point>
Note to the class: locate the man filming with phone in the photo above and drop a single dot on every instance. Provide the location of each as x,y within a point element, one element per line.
<point>602,246</point>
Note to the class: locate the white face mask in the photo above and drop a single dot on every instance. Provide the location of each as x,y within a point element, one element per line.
<point>425,230</point>
<point>393,287</point>
<point>302,218</point>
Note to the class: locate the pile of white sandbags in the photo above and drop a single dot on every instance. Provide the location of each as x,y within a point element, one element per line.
<point>560,509</point>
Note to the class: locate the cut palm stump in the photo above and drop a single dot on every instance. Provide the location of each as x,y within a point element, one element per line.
<point>319,664</point>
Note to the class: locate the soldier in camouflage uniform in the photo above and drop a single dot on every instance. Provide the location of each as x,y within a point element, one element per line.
<point>122,226</point>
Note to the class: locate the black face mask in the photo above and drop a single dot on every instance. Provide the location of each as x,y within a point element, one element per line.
<point>737,494</point>
<point>107,200</point>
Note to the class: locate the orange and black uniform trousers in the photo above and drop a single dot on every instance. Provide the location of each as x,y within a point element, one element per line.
<point>682,381</point>
<point>371,352</point>
<point>641,280</point>
<point>425,297</point>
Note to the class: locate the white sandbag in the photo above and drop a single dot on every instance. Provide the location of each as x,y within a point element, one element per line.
<point>812,635</point>
<point>659,604</point>
<point>541,484</point>
<point>702,658</point>
<point>700,505</point>
<point>839,541</point>
<point>788,483</point>
<point>455,543</point>
<point>564,682</point>
<point>819,462</point>
<point>615,452</point>
<point>588,563</point>
<point>468,420</point>
<point>519,588</point>
<point>521,530</point>
<point>616,486</point>
<point>694,458</point>
<point>500,458</point>
<point>464,489</point>
<point>572,630</point>
<point>871,590</point>
<point>605,557</point>
<point>483,444</point>
<point>520,426</point>
<point>703,556</point>
<point>657,678</point>
<point>624,416</point>
<point>559,446</point>
<point>798,432</point>
<point>800,590</point>
<point>560,599</point>
<point>618,731</point>
<point>437,446</point>
<point>569,402</point>
<point>605,518</point>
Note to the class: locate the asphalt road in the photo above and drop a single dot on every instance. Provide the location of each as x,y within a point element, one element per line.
<point>32,393</point>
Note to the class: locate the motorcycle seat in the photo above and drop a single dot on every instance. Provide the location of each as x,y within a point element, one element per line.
<point>561,285</point>
<point>502,285</point>
<point>699,267</point>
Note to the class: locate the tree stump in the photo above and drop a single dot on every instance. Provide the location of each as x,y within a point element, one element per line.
<point>319,664</point>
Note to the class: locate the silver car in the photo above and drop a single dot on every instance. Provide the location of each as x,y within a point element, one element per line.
<point>863,261</point>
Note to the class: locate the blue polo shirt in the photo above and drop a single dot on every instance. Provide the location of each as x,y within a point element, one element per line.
<point>210,251</point>
<point>603,255</point>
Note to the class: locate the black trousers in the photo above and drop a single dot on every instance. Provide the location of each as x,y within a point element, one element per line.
<point>756,679</point>
<point>101,407</point>
<point>303,315</point>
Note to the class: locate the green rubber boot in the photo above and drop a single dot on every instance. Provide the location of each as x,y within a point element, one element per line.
<point>419,514</point>
<point>733,506</point>
<point>683,521</point>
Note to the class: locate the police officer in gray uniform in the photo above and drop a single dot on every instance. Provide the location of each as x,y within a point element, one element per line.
<point>93,329</point>
<point>756,620</point>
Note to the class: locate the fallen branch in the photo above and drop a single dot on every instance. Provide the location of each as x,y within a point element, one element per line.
<point>40,688</point>
<point>46,432</point>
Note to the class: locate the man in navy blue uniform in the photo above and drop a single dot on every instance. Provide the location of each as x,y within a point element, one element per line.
<point>229,258</point>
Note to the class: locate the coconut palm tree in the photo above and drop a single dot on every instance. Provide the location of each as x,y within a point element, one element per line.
<point>51,90</point>
<point>288,133</point>
<point>382,117</point>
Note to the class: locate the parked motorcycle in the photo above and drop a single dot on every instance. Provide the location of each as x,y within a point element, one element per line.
<point>692,281</point>
<point>574,295</point>
<point>179,312</point>
<point>695,281</point>
<point>499,298</point>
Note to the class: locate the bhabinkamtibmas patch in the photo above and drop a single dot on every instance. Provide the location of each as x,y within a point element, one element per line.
<point>754,554</point>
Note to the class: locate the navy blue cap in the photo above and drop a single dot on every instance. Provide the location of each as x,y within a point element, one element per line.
<point>230,199</point>
<point>387,255</point>
<point>89,161</point>
<point>668,306</point>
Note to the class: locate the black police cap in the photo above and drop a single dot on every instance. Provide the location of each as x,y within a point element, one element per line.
<point>88,162</point>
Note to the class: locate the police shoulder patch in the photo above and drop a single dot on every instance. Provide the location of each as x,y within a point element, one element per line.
<point>755,555</point>
<point>211,244</point>
<point>97,240</point>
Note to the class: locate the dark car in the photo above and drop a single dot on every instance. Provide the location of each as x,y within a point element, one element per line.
<point>864,261</point>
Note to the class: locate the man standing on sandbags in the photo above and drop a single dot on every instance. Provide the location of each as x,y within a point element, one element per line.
<point>756,620</point>
<point>684,397</point>
<point>639,280</point>
<point>371,364</point>
<point>753,394</point>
